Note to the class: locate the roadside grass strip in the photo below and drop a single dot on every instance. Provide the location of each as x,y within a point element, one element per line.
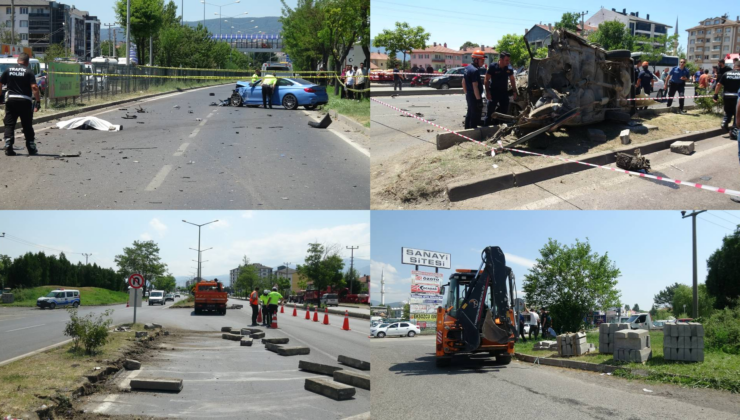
<point>357,110</point>
<point>89,296</point>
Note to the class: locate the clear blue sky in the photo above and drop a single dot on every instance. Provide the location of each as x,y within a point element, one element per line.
<point>193,8</point>
<point>267,237</point>
<point>455,23</point>
<point>651,248</point>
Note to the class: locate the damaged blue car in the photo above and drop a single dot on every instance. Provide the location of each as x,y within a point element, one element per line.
<point>289,92</point>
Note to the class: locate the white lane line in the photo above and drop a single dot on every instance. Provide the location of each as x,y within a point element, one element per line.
<point>25,328</point>
<point>125,384</point>
<point>5,362</point>
<point>362,416</point>
<point>106,404</point>
<point>202,123</point>
<point>159,178</point>
<point>182,149</point>
<point>194,133</point>
<point>350,142</point>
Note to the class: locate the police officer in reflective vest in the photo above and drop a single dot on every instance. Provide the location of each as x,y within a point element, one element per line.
<point>497,81</point>
<point>21,85</point>
<point>730,81</point>
<point>256,76</point>
<point>268,86</point>
<point>473,89</point>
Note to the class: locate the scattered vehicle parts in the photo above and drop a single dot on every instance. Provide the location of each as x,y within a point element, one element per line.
<point>629,162</point>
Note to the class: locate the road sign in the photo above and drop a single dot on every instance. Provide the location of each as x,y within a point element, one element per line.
<point>424,288</point>
<point>422,277</point>
<point>136,281</point>
<point>414,256</point>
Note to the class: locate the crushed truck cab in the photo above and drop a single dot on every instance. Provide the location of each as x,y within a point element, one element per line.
<point>478,316</point>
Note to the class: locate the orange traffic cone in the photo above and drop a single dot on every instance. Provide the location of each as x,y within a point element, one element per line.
<point>345,327</point>
<point>295,311</point>
<point>259,315</point>
<point>127,305</point>
<point>274,321</point>
<point>282,308</point>
<point>326,316</point>
<point>308,316</point>
<point>315,315</point>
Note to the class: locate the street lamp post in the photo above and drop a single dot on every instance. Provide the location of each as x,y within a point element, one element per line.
<point>199,226</point>
<point>219,11</point>
<point>695,312</point>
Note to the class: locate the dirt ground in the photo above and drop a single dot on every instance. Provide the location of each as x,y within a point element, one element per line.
<point>417,178</point>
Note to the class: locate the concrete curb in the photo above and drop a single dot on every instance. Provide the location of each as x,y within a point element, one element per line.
<point>411,92</point>
<point>349,121</point>
<point>157,384</point>
<point>108,105</point>
<point>332,311</point>
<point>570,364</point>
<point>458,191</point>
<point>333,390</point>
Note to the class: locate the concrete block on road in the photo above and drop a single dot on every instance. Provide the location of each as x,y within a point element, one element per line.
<point>232,337</point>
<point>360,380</point>
<point>683,147</point>
<point>245,341</point>
<point>156,384</point>
<point>355,363</point>
<point>149,326</point>
<point>258,335</point>
<point>639,129</point>
<point>226,329</point>
<point>272,347</point>
<point>247,331</point>
<point>318,368</point>
<point>140,334</point>
<point>624,136</point>
<point>331,389</point>
<point>282,340</point>
<point>293,351</point>
<point>131,364</point>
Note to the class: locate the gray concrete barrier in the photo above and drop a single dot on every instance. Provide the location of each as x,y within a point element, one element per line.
<point>333,390</point>
<point>360,380</point>
<point>282,340</point>
<point>156,384</point>
<point>355,363</point>
<point>317,368</point>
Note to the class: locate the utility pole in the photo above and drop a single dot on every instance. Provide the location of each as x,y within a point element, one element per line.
<point>86,255</point>
<point>3,285</point>
<point>115,41</point>
<point>128,44</point>
<point>352,265</point>
<point>12,22</point>
<point>109,25</point>
<point>695,284</point>
<point>182,12</point>
<point>583,27</point>
<point>382,289</point>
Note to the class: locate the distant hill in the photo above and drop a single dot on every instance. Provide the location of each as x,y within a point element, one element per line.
<point>247,25</point>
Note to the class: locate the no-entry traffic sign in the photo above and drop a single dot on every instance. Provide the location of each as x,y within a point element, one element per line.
<point>136,281</point>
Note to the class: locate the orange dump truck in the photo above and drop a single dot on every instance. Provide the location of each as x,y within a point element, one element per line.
<point>210,296</point>
<point>478,316</point>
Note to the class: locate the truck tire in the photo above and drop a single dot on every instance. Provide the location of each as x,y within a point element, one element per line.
<point>443,361</point>
<point>503,360</point>
<point>610,55</point>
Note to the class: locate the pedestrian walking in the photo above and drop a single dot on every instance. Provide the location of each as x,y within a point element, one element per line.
<point>21,90</point>
<point>254,302</point>
<point>498,77</point>
<point>473,90</point>
<point>677,83</point>
<point>273,299</point>
<point>265,309</point>
<point>397,78</point>
<point>268,86</point>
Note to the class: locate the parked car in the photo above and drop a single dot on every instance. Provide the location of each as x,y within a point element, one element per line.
<point>289,92</point>
<point>641,321</point>
<point>59,297</point>
<point>169,296</point>
<point>448,80</point>
<point>400,329</point>
<point>156,296</point>
<point>381,76</point>
<point>330,299</point>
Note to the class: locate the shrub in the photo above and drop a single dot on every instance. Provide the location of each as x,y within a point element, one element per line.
<point>722,331</point>
<point>708,105</point>
<point>89,330</point>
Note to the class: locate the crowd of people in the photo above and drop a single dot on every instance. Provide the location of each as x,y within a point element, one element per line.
<point>267,302</point>
<point>540,322</point>
<point>354,78</point>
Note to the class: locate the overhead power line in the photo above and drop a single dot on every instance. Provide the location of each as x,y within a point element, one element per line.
<point>29,243</point>
<point>716,224</point>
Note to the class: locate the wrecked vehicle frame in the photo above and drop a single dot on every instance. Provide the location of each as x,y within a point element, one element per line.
<point>578,83</point>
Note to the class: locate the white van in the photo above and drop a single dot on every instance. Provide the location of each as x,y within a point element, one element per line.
<point>59,297</point>
<point>641,321</point>
<point>156,296</point>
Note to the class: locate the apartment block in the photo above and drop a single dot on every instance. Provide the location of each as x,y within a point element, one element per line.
<point>713,39</point>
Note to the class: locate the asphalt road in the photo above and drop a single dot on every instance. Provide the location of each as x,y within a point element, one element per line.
<point>192,157</point>
<point>407,385</point>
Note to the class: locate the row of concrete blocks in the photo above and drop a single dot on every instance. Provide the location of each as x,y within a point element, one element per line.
<point>606,336</point>
<point>573,344</point>
<point>683,342</point>
<point>632,346</point>
<point>344,383</point>
<point>683,329</point>
<point>633,355</point>
<point>685,355</point>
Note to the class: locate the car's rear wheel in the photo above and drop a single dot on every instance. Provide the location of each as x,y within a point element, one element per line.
<point>290,102</point>
<point>310,107</point>
<point>380,335</point>
<point>76,304</point>
<point>236,100</point>
<point>444,86</point>
<point>52,305</point>
<point>411,333</point>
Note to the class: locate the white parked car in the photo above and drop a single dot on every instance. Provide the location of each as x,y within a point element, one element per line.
<point>330,299</point>
<point>400,329</point>
<point>156,296</point>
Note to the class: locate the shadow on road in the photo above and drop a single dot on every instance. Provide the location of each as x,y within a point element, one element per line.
<point>463,365</point>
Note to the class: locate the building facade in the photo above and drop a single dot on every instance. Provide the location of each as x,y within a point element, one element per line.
<point>437,56</point>
<point>713,39</point>
<point>263,271</point>
<point>378,61</point>
<point>233,276</point>
<point>467,54</point>
<point>637,26</point>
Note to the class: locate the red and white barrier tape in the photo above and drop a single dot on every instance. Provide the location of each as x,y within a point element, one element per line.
<point>641,175</point>
<point>423,74</point>
<point>677,97</point>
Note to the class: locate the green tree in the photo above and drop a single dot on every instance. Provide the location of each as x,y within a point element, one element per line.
<point>343,24</point>
<point>402,39</point>
<point>612,35</point>
<point>53,52</point>
<point>351,280</point>
<point>166,282</point>
<point>665,296</point>
<point>248,278</point>
<point>684,295</point>
<point>406,311</point>
<point>653,49</point>
<point>146,19</point>
<point>143,258</point>
<point>626,308</point>
<point>468,44</point>
<point>571,281</point>
<point>516,46</point>
<point>568,21</point>
<point>323,266</point>
<point>636,308</point>
<point>723,272</point>
<point>300,26</point>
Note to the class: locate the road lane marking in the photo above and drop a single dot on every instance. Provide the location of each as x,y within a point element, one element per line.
<point>350,142</point>
<point>25,328</point>
<point>182,149</point>
<point>194,133</point>
<point>359,416</point>
<point>159,178</point>
<point>202,123</point>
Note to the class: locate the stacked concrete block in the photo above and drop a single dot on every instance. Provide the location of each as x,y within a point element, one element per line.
<point>632,346</point>
<point>683,342</point>
<point>606,336</point>
<point>573,344</point>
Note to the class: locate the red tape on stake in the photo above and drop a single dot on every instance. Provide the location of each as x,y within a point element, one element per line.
<point>609,168</point>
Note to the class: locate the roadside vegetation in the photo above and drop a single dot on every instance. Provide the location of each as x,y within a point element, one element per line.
<point>357,110</point>
<point>184,303</point>
<point>89,296</point>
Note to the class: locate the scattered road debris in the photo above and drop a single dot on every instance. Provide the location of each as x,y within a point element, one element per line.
<point>325,122</point>
<point>129,117</point>
<point>88,123</point>
<point>633,163</point>
<point>141,110</point>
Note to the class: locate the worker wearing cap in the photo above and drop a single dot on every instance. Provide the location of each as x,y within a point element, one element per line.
<point>497,80</point>
<point>21,86</point>
<point>472,88</point>
<point>730,81</point>
<point>268,86</point>
<point>677,78</point>
<point>254,302</point>
<point>273,298</point>
<point>645,81</point>
<point>265,309</point>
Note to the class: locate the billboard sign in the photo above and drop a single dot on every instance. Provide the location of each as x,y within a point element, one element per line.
<point>423,309</point>
<point>66,84</point>
<point>421,277</point>
<point>426,299</point>
<point>424,317</point>
<point>435,259</point>
<point>425,288</point>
